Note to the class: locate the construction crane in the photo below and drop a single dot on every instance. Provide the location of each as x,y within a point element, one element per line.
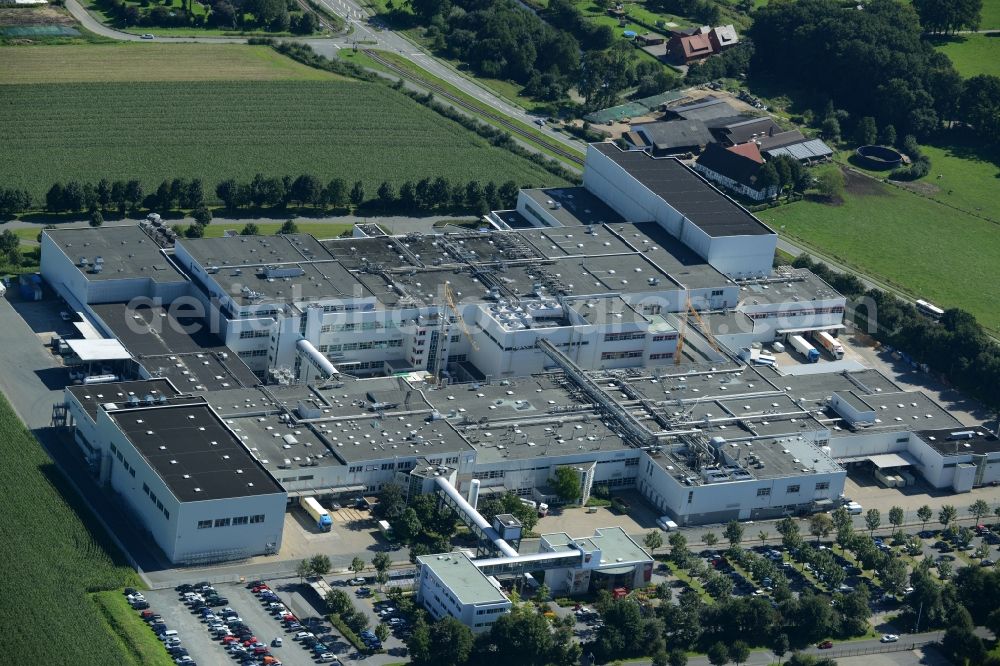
<point>702,326</point>
<point>680,336</point>
<point>450,297</point>
<point>705,330</point>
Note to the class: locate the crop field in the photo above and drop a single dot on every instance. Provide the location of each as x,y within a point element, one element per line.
<point>925,248</point>
<point>972,54</point>
<point>51,561</point>
<point>151,62</point>
<point>219,130</point>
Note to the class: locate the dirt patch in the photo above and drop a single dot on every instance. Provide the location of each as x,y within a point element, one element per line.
<point>925,189</point>
<point>23,16</point>
<point>862,186</point>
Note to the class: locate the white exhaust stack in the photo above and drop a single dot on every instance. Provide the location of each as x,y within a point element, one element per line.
<point>474,493</point>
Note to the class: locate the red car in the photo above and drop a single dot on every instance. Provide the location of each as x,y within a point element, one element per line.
<point>146,613</point>
<point>260,588</point>
<point>226,640</point>
<point>288,617</point>
<point>825,645</point>
<point>261,650</point>
<point>250,641</point>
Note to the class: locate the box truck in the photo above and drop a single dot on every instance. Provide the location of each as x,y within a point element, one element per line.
<point>317,512</point>
<point>801,346</point>
<point>829,343</point>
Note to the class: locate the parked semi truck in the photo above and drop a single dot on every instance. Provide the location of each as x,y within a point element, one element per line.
<point>829,343</point>
<point>804,348</point>
<point>318,513</point>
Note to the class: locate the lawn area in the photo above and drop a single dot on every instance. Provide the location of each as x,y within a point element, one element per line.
<point>151,62</point>
<point>158,129</point>
<point>964,174</point>
<point>133,634</point>
<point>910,241</point>
<point>990,15</point>
<point>52,559</point>
<point>317,229</point>
<point>972,54</point>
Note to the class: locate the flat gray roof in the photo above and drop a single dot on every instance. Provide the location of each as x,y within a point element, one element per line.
<point>526,440</point>
<point>321,280</point>
<point>576,241</point>
<point>463,579</point>
<point>194,453</point>
<point>126,250</point>
<point>688,193</point>
<point>800,286</point>
<point>577,206</point>
<point>237,251</point>
<point>673,257</point>
<point>961,440</point>
<point>613,310</point>
<point>93,396</point>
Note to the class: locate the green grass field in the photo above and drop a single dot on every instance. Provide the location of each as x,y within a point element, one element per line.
<point>52,560</point>
<point>134,635</point>
<point>964,174</point>
<point>151,62</point>
<point>990,17</point>
<point>972,54</point>
<point>317,229</point>
<point>917,244</point>
<point>158,129</point>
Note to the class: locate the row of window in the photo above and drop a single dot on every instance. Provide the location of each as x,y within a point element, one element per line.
<point>361,365</point>
<point>121,459</point>
<point>654,357</point>
<point>610,356</point>
<point>358,326</point>
<point>792,489</point>
<point>352,346</point>
<point>618,337</point>
<point>252,353</point>
<point>345,308</point>
<point>152,498</point>
<point>253,334</point>
<point>226,522</point>
<point>664,336</point>
<point>797,313</point>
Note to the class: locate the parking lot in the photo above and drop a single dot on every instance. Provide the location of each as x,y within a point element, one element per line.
<point>209,651</point>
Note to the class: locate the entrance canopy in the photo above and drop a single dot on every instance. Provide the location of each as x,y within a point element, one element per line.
<point>98,350</point>
<point>884,460</point>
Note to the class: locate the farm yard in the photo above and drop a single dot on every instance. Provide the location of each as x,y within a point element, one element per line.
<point>213,130</point>
<point>52,559</point>
<point>925,248</point>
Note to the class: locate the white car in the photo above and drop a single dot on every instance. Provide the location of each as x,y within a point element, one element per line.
<point>302,635</point>
<point>147,36</point>
<point>889,638</point>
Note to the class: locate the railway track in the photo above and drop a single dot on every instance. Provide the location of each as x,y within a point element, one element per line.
<point>495,117</point>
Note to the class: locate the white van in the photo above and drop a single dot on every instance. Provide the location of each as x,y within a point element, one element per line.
<point>168,634</point>
<point>854,508</point>
<point>666,524</point>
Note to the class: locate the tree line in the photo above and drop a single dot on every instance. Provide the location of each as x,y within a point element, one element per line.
<point>425,195</point>
<point>956,347</point>
<point>870,63</point>
<point>943,16</point>
<point>129,196</point>
<point>268,15</point>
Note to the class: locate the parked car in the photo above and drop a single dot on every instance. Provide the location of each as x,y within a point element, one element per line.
<point>825,645</point>
<point>889,638</point>
<point>356,581</point>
